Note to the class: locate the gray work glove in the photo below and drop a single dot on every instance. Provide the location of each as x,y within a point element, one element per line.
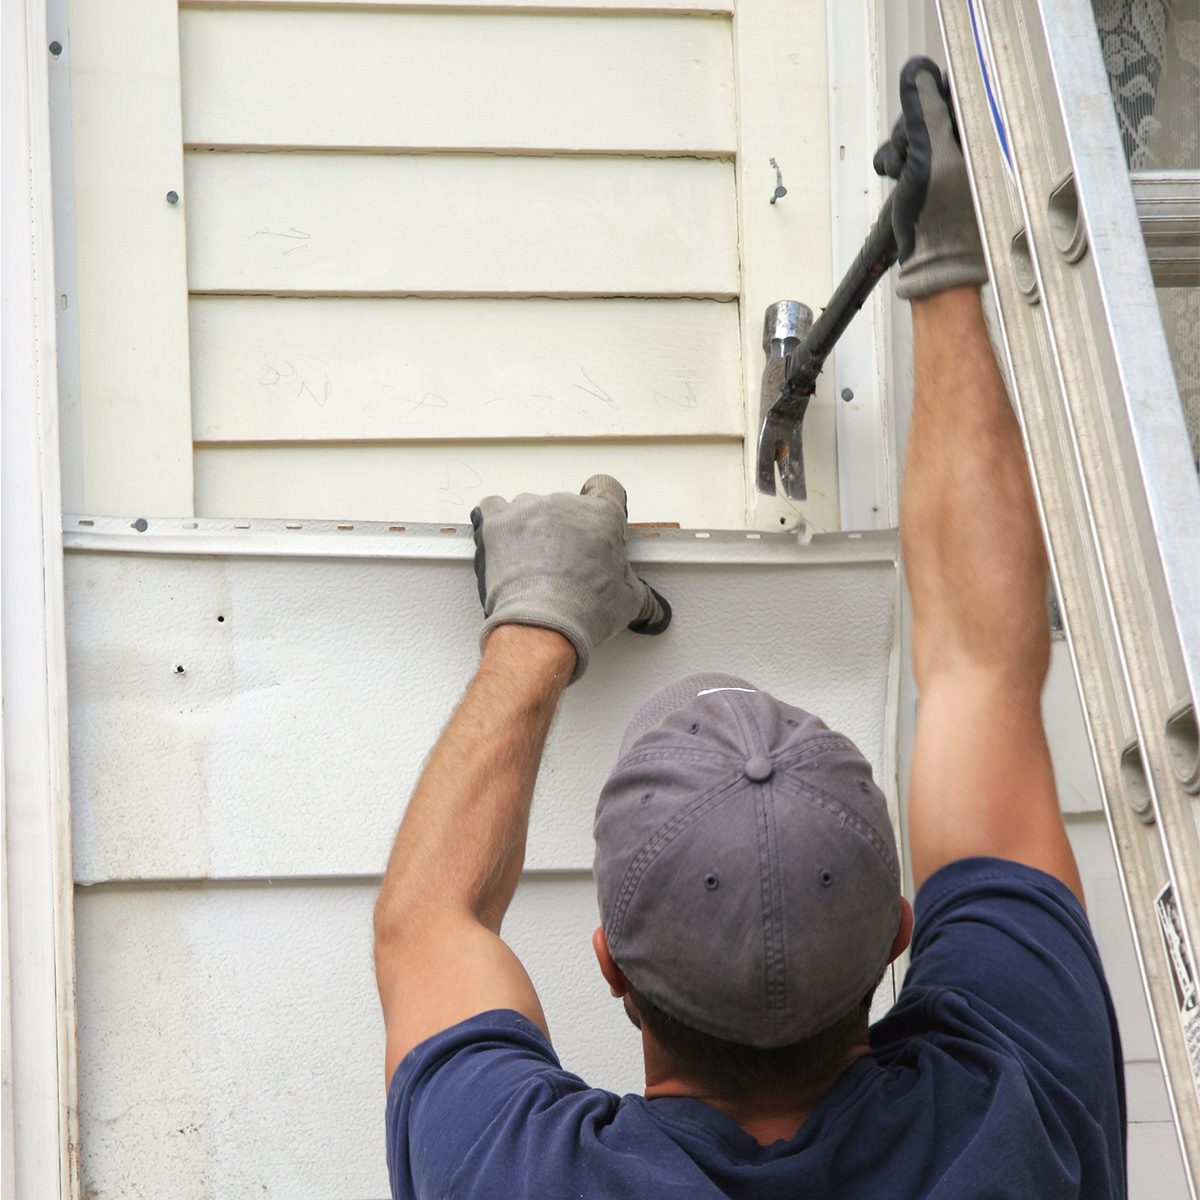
<point>932,214</point>
<point>561,562</point>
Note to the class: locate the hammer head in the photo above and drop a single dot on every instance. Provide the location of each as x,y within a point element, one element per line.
<point>781,412</point>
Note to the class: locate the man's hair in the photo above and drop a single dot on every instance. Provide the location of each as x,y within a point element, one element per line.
<point>732,1071</point>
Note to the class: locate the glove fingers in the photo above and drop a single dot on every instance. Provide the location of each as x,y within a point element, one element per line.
<point>910,74</point>
<point>488,507</point>
<point>480,556</point>
<point>655,614</point>
<point>889,161</point>
<point>939,118</point>
<point>607,488</point>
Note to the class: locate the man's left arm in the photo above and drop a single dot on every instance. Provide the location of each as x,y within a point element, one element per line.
<point>555,581</point>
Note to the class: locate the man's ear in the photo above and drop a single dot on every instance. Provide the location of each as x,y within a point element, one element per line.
<point>903,931</point>
<point>613,975</point>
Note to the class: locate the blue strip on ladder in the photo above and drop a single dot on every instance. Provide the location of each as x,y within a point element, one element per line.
<point>997,120</point>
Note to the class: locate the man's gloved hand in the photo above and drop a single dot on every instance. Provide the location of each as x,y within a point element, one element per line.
<point>561,562</point>
<point>932,214</point>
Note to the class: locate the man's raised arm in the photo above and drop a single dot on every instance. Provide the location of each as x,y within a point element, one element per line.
<point>555,581</point>
<point>981,781</point>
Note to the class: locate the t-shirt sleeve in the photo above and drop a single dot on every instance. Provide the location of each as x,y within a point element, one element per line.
<point>462,1094</point>
<point>1003,954</point>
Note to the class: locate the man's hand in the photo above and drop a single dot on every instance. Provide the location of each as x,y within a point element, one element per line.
<point>932,214</point>
<point>561,562</point>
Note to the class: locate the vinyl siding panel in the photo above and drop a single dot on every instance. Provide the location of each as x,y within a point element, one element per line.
<point>466,80</point>
<point>333,224</point>
<point>310,370</point>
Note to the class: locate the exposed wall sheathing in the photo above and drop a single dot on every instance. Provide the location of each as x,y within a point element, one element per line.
<point>231,822</point>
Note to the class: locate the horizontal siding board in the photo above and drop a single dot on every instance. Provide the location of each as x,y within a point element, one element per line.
<point>692,483</point>
<point>675,7</point>
<point>411,80</point>
<point>460,225</point>
<point>291,741</point>
<point>269,369</point>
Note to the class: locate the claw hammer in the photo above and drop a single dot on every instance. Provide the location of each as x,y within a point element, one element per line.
<point>796,351</point>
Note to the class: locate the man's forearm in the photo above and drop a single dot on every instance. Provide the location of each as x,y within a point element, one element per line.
<point>461,844</point>
<point>973,551</point>
<point>982,781</point>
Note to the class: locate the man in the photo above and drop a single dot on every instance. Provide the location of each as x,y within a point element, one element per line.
<point>749,887</point>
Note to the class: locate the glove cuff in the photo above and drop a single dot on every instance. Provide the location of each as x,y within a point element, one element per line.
<point>926,278</point>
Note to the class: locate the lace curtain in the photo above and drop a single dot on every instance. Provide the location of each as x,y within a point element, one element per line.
<point>1152,53</point>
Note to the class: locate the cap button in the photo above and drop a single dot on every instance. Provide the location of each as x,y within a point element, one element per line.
<point>758,769</point>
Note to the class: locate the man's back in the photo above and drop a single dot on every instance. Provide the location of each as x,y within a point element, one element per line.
<point>997,1073</point>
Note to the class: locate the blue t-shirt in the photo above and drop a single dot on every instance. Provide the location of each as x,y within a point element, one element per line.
<point>996,1074</point>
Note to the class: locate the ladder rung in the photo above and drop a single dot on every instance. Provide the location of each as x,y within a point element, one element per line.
<point>1168,207</point>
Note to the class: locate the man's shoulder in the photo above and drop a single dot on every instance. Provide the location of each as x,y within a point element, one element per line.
<point>1005,983</point>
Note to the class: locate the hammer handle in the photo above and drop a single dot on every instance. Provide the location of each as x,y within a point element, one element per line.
<point>877,255</point>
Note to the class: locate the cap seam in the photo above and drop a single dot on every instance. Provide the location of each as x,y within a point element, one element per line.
<point>770,891</point>
<point>775,983</point>
<point>832,805</point>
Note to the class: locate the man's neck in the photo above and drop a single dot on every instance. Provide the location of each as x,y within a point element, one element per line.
<point>768,1118</point>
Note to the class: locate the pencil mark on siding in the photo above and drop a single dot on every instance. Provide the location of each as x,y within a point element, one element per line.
<point>686,402</point>
<point>461,478</point>
<point>595,390</point>
<point>293,234</point>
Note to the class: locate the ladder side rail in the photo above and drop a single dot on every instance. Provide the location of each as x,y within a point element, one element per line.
<point>1138,476</point>
<point>1124,291</point>
<point>1050,424</point>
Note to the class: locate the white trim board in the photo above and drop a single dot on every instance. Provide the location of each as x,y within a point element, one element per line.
<point>381,539</point>
<point>40,1132</point>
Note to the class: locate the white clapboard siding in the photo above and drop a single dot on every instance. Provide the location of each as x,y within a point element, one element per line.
<point>697,484</point>
<point>460,224</point>
<point>231,1043</point>
<point>271,369</point>
<point>612,6</point>
<point>501,81</point>
<point>313,689</point>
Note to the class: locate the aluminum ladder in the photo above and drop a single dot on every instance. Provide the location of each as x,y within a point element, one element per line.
<point>1117,487</point>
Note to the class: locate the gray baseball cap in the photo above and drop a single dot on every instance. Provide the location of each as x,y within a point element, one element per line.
<point>745,864</point>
